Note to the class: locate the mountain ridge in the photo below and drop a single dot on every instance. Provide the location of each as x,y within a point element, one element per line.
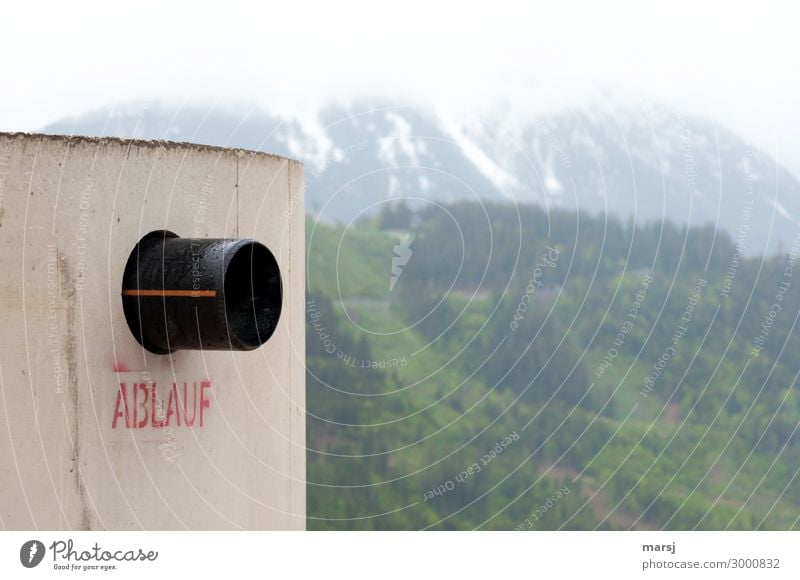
<point>647,163</point>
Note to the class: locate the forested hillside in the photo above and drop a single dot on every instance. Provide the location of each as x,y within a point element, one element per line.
<point>505,367</point>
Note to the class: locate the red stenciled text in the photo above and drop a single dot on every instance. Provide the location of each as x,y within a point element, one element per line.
<point>141,406</point>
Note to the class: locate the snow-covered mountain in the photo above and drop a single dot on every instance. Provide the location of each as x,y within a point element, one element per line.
<point>644,162</point>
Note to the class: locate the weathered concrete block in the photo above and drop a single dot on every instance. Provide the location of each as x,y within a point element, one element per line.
<point>96,432</point>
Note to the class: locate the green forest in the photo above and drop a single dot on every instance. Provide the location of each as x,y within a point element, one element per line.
<point>493,366</point>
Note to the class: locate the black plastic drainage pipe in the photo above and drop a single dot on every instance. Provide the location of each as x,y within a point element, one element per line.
<point>201,293</point>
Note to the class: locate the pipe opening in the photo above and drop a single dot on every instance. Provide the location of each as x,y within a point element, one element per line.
<point>253,294</point>
<point>201,293</point>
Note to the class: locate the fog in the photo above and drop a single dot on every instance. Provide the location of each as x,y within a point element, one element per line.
<point>734,64</point>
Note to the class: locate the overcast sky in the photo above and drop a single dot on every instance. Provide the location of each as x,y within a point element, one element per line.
<point>738,65</point>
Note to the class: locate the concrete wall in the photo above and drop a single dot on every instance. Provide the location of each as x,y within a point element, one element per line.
<point>71,210</point>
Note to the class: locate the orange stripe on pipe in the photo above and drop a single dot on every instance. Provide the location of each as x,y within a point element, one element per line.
<point>177,293</point>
